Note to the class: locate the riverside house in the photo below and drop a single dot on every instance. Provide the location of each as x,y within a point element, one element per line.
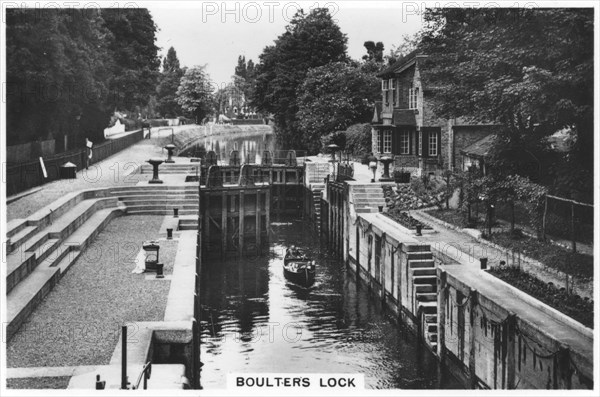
<point>405,126</point>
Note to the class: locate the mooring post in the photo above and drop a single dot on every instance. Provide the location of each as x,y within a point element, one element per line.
<point>241,223</point>
<point>257,217</point>
<point>224,199</point>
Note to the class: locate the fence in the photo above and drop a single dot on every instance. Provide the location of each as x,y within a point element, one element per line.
<point>23,176</point>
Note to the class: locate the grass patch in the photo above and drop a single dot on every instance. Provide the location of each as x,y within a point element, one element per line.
<point>51,382</point>
<point>579,309</point>
<point>551,255</point>
<point>79,321</point>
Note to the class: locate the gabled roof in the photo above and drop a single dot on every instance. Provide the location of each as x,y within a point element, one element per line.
<point>400,63</point>
<point>481,148</point>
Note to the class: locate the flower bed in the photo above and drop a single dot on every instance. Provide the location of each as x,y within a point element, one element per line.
<point>406,220</point>
<point>574,306</point>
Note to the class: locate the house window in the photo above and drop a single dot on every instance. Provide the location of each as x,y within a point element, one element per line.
<point>420,143</point>
<point>387,141</point>
<point>413,96</point>
<point>385,85</point>
<point>433,144</point>
<point>375,147</point>
<point>404,142</point>
<point>392,85</point>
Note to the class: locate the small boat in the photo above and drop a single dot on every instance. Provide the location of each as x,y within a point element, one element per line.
<point>298,267</point>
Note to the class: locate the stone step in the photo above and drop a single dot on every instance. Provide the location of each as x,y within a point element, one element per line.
<point>19,237</point>
<point>368,195</point>
<point>137,211</point>
<point>428,307</point>
<point>77,216</point>
<point>432,280</point>
<point>147,200</point>
<point>431,318</point>
<point>426,296</point>
<point>82,237</point>
<point>425,288</point>
<point>25,297</point>
<point>15,226</point>
<point>19,266</point>
<point>153,189</point>
<point>419,255</point>
<point>167,206</point>
<point>422,263</point>
<point>418,248</point>
<point>424,271</point>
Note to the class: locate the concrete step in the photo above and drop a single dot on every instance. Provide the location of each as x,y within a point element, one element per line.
<point>77,216</point>
<point>425,288</point>
<point>368,195</point>
<point>428,307</point>
<point>432,280</point>
<point>137,211</point>
<point>22,264</point>
<point>414,256</point>
<point>82,237</point>
<point>148,200</point>
<point>418,248</point>
<point>431,319</point>
<point>167,206</point>
<point>19,237</point>
<point>15,226</point>
<point>426,296</point>
<point>424,271</point>
<point>421,263</point>
<point>25,297</point>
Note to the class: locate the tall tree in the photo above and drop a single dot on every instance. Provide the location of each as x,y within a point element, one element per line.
<point>309,41</point>
<point>530,70</point>
<point>57,75</point>
<point>240,69</point>
<point>167,87</point>
<point>374,51</point>
<point>333,97</point>
<point>135,55</point>
<point>194,94</point>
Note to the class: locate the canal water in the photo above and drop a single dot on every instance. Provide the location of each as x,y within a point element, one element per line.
<point>253,320</point>
<point>250,146</point>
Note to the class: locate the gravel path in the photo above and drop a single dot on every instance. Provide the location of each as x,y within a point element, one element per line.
<point>79,321</point>
<point>53,382</point>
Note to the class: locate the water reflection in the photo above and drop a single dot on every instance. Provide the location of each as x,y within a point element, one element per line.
<point>249,146</point>
<point>256,321</point>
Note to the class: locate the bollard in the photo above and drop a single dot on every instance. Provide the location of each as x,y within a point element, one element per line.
<point>169,233</point>
<point>100,385</point>
<point>380,208</point>
<point>159,270</point>
<point>419,229</point>
<point>175,212</point>
<point>483,262</point>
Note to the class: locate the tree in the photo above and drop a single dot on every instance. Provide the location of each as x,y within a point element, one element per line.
<point>374,51</point>
<point>309,41</point>
<point>194,94</point>
<point>57,75</point>
<point>135,56</point>
<point>530,70</point>
<point>240,69</point>
<point>408,44</point>
<point>167,87</point>
<point>333,97</point>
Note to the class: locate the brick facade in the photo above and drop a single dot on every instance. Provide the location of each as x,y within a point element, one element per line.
<point>452,135</point>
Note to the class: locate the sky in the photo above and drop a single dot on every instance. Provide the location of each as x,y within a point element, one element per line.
<point>216,33</point>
